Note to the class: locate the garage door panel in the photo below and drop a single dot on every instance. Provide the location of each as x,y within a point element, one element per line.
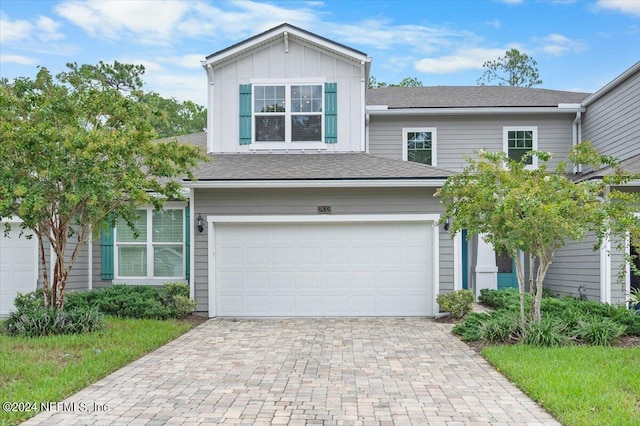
<point>18,266</point>
<point>335,269</point>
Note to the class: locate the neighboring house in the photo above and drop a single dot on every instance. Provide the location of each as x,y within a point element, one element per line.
<point>319,196</point>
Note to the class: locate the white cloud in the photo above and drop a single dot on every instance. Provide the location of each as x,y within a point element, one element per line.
<point>184,61</point>
<point>183,87</point>
<point>631,7</point>
<point>462,59</point>
<point>559,45</point>
<point>14,30</point>
<point>147,22</point>
<point>17,59</point>
<point>47,29</point>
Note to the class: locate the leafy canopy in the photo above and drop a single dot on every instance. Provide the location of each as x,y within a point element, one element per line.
<point>512,69</point>
<point>406,82</point>
<point>536,211</point>
<point>77,151</point>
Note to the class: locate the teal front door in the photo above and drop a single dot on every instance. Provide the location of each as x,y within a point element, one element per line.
<point>507,277</point>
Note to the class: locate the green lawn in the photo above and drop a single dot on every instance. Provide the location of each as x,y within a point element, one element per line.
<point>66,364</point>
<point>579,385</point>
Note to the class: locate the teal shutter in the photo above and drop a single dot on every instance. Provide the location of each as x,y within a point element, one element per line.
<point>106,245</point>
<point>245,114</point>
<point>187,243</point>
<point>331,112</point>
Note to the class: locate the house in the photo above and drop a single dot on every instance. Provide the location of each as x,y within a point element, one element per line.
<point>319,196</point>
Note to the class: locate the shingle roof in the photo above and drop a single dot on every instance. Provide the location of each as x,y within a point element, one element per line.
<point>470,96</point>
<point>228,167</point>
<point>313,167</point>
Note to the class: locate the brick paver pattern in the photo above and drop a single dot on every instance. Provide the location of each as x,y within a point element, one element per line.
<point>306,372</point>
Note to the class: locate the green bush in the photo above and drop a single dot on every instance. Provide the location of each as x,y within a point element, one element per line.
<point>548,332</point>
<point>32,300</point>
<point>40,321</point>
<point>500,299</point>
<point>458,303</point>
<point>469,329</point>
<point>599,331</point>
<point>502,328</point>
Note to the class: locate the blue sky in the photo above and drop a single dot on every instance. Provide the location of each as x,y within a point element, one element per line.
<point>579,45</point>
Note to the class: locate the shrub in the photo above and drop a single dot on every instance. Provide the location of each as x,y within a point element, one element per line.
<point>599,331</point>
<point>502,328</point>
<point>548,332</point>
<point>500,299</point>
<point>458,303</point>
<point>469,329</point>
<point>32,300</point>
<point>40,321</point>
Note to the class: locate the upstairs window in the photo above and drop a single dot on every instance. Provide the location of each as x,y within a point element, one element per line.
<point>288,113</point>
<point>277,116</point>
<point>419,145</point>
<point>520,140</point>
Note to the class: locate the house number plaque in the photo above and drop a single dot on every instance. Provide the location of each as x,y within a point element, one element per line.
<point>324,209</point>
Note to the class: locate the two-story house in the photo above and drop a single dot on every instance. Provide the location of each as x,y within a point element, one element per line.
<point>319,196</point>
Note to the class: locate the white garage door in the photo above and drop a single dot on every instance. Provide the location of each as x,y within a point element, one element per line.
<point>324,269</point>
<point>18,266</point>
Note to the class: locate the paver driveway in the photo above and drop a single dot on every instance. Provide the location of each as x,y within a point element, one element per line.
<point>306,371</point>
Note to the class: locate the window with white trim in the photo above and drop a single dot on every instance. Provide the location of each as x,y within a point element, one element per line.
<point>520,140</point>
<point>419,145</point>
<point>158,251</point>
<point>288,113</point>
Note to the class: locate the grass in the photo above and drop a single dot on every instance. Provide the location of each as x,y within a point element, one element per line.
<point>579,385</point>
<point>49,369</point>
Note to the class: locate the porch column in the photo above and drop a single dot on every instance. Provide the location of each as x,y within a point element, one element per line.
<point>485,271</point>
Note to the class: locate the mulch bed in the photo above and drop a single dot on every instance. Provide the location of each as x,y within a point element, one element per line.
<point>194,319</point>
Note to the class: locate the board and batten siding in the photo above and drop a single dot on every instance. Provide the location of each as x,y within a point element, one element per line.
<point>612,122</point>
<point>575,265</point>
<point>463,136</point>
<point>302,61</point>
<point>305,202</point>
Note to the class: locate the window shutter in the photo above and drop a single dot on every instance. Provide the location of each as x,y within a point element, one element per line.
<point>245,114</point>
<point>106,245</point>
<point>331,112</point>
<point>187,243</point>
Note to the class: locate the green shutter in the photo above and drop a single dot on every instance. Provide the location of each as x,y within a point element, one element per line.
<point>331,112</point>
<point>106,245</point>
<point>187,243</point>
<point>245,114</point>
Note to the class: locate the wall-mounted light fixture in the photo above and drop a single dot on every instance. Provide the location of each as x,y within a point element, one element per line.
<point>200,223</point>
<point>447,224</point>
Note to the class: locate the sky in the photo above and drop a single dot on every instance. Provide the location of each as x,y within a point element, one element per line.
<point>579,45</point>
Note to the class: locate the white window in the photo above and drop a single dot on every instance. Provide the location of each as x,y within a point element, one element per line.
<point>520,140</point>
<point>419,145</point>
<point>287,114</point>
<point>158,250</point>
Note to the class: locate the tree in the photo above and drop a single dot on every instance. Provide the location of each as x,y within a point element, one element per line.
<point>536,211</point>
<point>173,118</point>
<point>406,82</point>
<point>512,69</point>
<point>77,153</point>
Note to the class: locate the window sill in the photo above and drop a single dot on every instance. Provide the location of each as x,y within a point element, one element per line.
<point>288,146</point>
<point>148,281</point>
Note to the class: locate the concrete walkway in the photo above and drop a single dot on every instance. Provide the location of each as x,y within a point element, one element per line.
<point>305,372</point>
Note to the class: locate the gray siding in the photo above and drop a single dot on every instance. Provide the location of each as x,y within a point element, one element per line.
<point>574,265</point>
<point>79,276</point>
<point>303,61</point>
<point>305,202</point>
<point>463,136</point>
<point>612,123</point>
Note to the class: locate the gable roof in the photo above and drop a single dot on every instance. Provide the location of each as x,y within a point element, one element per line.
<point>281,31</point>
<point>470,97</point>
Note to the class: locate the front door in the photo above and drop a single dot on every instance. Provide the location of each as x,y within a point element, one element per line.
<point>507,277</point>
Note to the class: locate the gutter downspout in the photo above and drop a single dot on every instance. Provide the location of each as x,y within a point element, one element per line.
<point>577,137</point>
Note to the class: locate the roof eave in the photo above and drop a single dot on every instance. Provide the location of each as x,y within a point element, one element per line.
<point>612,84</point>
<point>272,34</point>
<point>384,110</point>
<point>318,183</point>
